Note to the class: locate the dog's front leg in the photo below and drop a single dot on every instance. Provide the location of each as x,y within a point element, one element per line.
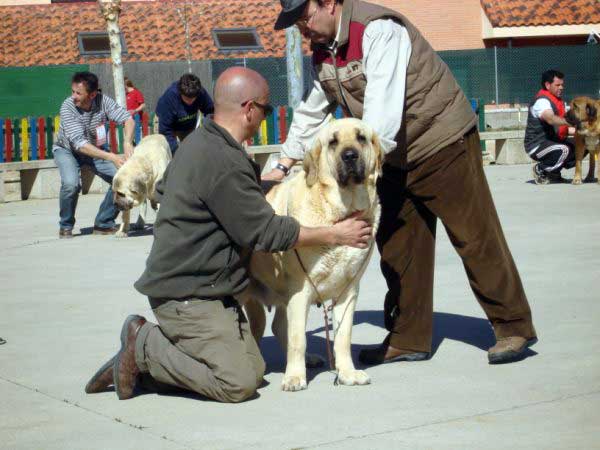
<point>592,171</point>
<point>295,370</point>
<point>124,228</point>
<point>143,212</point>
<point>343,313</point>
<point>279,329</point>
<point>579,153</point>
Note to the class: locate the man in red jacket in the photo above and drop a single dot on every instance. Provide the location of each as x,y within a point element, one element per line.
<point>547,131</point>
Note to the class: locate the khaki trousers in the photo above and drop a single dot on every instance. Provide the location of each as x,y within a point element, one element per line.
<point>450,186</point>
<point>204,346</point>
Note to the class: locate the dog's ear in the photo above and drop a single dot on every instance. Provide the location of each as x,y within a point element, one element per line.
<point>311,163</point>
<point>378,152</point>
<point>591,111</point>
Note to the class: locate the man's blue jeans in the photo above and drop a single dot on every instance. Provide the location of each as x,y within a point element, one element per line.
<point>69,165</point>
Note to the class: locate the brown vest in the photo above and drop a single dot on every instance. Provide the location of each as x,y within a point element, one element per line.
<point>436,111</point>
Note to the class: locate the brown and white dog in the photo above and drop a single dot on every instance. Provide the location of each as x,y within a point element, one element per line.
<point>583,115</point>
<point>339,179</point>
<point>134,183</point>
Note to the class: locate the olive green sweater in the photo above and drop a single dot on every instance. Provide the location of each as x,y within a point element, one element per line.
<point>212,214</point>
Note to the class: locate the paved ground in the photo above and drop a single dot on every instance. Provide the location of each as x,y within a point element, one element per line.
<point>62,304</point>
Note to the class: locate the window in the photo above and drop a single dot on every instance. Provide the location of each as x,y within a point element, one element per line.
<point>96,43</point>
<point>236,39</point>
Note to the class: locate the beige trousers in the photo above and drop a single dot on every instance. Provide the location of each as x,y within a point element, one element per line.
<point>204,346</point>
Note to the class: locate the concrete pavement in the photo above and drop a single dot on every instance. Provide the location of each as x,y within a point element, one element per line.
<point>62,304</point>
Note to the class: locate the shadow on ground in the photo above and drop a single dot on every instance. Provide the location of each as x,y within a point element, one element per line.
<point>472,331</point>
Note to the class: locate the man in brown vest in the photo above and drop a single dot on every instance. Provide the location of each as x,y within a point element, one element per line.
<point>375,64</point>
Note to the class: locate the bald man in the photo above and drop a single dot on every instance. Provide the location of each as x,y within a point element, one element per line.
<point>213,215</point>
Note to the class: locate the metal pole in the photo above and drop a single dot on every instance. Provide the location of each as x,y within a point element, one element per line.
<point>293,57</point>
<point>496,71</point>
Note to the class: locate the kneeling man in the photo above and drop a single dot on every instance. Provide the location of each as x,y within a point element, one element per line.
<point>213,215</point>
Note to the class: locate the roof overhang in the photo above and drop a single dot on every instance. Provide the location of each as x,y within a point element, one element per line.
<point>490,32</point>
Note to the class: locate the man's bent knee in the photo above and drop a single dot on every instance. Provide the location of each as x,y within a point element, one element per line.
<point>242,389</point>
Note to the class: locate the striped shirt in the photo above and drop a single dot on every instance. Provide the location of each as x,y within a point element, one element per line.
<point>78,127</point>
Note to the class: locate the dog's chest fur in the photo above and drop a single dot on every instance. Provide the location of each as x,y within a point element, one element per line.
<point>331,269</point>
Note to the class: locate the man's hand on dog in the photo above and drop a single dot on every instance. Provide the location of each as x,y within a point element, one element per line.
<point>353,231</point>
<point>117,160</point>
<point>128,150</point>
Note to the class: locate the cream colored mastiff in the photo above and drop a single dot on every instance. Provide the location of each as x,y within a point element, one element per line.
<point>134,183</point>
<point>339,179</point>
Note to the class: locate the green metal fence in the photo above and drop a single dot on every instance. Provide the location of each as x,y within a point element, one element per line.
<point>503,75</point>
<point>512,75</point>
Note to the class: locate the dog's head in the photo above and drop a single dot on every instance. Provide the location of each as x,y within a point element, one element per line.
<point>129,188</point>
<point>583,113</point>
<point>347,150</point>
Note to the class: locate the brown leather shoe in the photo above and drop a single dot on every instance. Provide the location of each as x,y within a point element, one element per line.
<point>509,349</point>
<point>102,379</point>
<point>125,370</point>
<point>63,233</point>
<point>105,231</point>
<point>385,353</point>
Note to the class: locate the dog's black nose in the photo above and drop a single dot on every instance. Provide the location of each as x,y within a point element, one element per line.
<point>349,155</point>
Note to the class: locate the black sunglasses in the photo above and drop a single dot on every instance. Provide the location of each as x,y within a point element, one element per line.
<point>267,109</point>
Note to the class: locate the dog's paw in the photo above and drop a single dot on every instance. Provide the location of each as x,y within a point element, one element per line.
<point>121,234</point>
<point>313,361</point>
<point>292,383</point>
<point>353,377</point>
<point>576,181</point>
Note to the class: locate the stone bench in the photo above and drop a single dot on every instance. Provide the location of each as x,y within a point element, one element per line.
<point>505,146</point>
<point>40,179</point>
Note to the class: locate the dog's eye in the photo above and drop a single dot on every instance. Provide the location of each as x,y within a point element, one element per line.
<point>120,194</point>
<point>134,192</point>
<point>333,142</point>
<point>361,138</point>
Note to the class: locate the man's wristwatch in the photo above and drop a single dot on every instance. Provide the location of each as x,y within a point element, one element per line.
<point>283,168</point>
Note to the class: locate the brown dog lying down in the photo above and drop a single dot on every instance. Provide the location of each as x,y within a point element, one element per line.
<point>583,115</point>
<point>135,181</point>
<point>339,179</point>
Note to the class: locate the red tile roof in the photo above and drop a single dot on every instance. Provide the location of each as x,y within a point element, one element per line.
<point>153,31</point>
<point>519,13</point>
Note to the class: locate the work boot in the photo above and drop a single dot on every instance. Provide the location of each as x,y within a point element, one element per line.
<point>385,353</point>
<point>125,369</point>
<point>102,379</point>
<point>509,349</point>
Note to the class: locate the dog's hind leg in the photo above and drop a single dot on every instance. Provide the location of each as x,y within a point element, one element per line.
<point>343,313</point>
<point>257,318</point>
<point>124,228</point>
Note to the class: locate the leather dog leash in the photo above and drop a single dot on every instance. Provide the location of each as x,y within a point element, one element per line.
<point>330,307</point>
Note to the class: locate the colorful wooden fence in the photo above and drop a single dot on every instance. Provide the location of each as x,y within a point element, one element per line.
<point>26,139</point>
<point>32,138</point>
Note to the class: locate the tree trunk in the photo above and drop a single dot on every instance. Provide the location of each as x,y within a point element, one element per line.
<point>110,11</point>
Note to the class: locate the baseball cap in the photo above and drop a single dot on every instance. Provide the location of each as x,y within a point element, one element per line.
<point>291,11</point>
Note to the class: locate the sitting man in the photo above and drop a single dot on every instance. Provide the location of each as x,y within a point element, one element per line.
<point>213,214</point>
<point>177,109</point>
<point>547,130</point>
<point>82,141</point>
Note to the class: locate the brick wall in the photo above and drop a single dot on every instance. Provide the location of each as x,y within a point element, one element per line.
<point>446,24</point>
